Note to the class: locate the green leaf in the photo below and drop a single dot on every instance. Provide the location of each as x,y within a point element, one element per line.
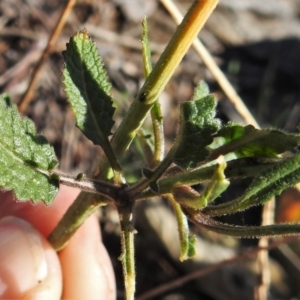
<point>187,241</point>
<point>241,231</point>
<point>191,251</point>
<point>251,142</point>
<point>25,157</point>
<point>6,99</point>
<point>202,90</point>
<point>218,183</point>
<point>187,196</point>
<point>269,183</point>
<point>197,125</point>
<point>88,91</point>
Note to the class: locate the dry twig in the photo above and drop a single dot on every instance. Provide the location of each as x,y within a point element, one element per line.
<point>52,39</point>
<point>202,272</point>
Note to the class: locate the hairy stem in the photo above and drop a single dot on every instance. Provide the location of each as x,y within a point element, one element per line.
<point>155,175</point>
<point>160,75</point>
<point>82,209</point>
<point>235,169</point>
<point>156,114</point>
<point>155,83</point>
<point>85,205</point>
<point>127,255</point>
<point>183,227</point>
<point>89,185</point>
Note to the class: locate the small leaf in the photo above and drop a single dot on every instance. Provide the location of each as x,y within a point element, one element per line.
<point>197,125</point>
<point>144,144</point>
<point>191,252</point>
<point>187,241</point>
<point>88,91</point>
<point>218,183</point>
<point>6,99</point>
<point>25,157</point>
<point>187,196</point>
<point>272,181</point>
<point>241,231</point>
<point>202,90</point>
<point>248,141</point>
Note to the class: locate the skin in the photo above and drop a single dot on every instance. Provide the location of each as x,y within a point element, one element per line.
<point>31,269</point>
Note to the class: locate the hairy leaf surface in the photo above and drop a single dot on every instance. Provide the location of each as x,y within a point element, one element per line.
<point>218,183</point>
<point>187,241</point>
<point>269,183</point>
<point>88,91</point>
<point>251,142</point>
<point>197,125</point>
<point>242,231</point>
<point>201,90</point>
<point>25,157</point>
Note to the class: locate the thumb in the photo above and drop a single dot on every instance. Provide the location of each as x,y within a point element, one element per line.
<point>29,267</point>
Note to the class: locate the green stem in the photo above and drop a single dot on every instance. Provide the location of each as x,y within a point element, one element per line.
<point>155,83</point>
<point>82,208</point>
<point>160,75</point>
<point>183,227</point>
<point>155,175</point>
<point>158,130</point>
<point>127,255</point>
<point>92,196</point>
<point>235,169</point>
<point>156,114</point>
<point>103,188</point>
<point>181,41</point>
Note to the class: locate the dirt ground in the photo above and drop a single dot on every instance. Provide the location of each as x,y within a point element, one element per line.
<point>256,44</point>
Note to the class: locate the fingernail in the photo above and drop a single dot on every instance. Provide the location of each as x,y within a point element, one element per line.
<point>22,258</point>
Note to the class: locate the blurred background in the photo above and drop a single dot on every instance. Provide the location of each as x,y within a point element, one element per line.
<point>255,43</point>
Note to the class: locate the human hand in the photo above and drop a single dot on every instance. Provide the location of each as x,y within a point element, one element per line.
<point>31,269</point>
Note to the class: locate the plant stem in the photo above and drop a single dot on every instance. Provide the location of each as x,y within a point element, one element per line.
<point>214,69</point>
<point>86,203</point>
<point>183,227</point>
<point>127,255</point>
<point>155,83</point>
<point>103,188</point>
<point>127,238</point>
<point>235,169</point>
<point>161,73</point>
<point>82,208</point>
<point>156,114</point>
<point>155,174</point>
<point>158,131</point>
<point>182,39</point>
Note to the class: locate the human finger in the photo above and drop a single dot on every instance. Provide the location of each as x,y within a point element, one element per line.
<point>29,266</point>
